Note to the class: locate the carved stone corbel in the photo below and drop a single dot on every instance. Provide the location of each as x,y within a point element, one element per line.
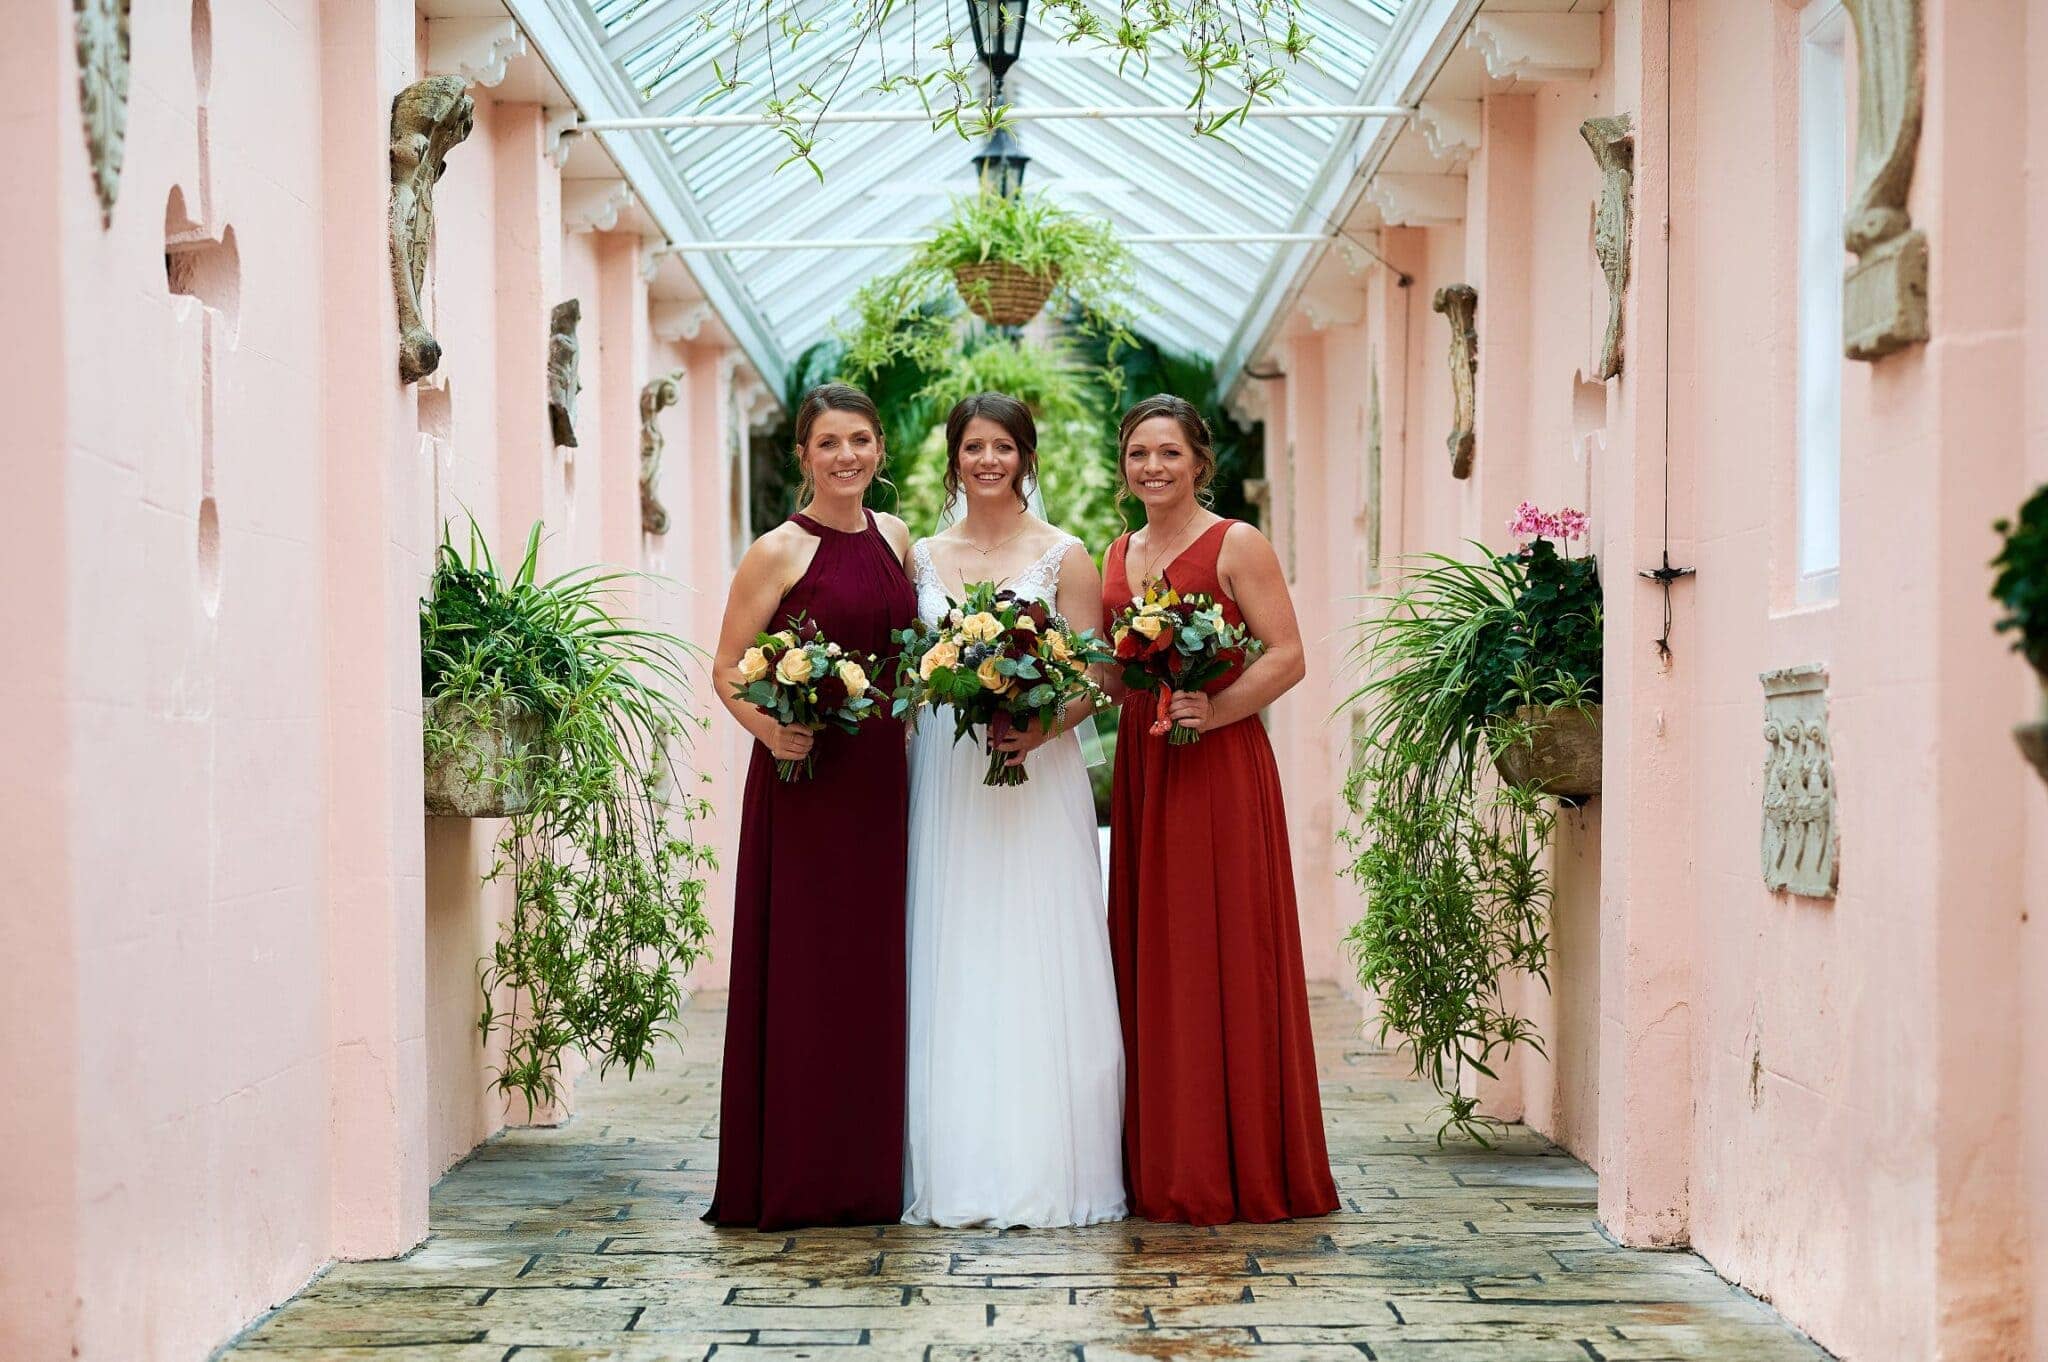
<point>655,398</point>
<point>428,119</point>
<point>1884,298</point>
<point>563,380</point>
<point>1537,47</point>
<point>1614,148</point>
<point>594,205</point>
<point>1450,128</point>
<point>678,321</point>
<point>102,37</point>
<point>1460,305</point>
<point>477,49</point>
<point>1417,200</point>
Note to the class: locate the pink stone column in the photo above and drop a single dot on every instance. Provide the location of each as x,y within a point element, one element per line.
<point>38,1010</point>
<point>1647,804</point>
<point>375,856</point>
<point>1969,195</point>
<point>529,280</point>
<point>620,337</point>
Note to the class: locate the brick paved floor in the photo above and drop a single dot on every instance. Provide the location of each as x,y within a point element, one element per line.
<point>584,1243</point>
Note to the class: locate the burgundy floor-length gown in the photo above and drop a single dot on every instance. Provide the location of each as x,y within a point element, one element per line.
<point>1222,1120</point>
<point>811,1108</point>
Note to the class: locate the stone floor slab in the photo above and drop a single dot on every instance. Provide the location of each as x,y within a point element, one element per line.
<point>583,1244</point>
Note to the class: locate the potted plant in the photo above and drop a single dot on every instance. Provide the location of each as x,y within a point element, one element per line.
<point>546,707</point>
<point>2021,587</point>
<point>1549,739</point>
<point>1495,657</point>
<point>1003,258</point>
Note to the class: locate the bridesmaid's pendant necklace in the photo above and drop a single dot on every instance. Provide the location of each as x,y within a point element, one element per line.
<point>1162,559</point>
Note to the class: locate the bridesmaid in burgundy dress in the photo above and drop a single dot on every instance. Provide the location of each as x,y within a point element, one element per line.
<point>811,1106</point>
<point>1222,1120</point>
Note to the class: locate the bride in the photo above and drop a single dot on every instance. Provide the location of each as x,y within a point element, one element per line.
<point>1016,1056</point>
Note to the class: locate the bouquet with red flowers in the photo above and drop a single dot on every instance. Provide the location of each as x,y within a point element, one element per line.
<point>1171,642</point>
<point>1002,664</point>
<point>798,676</point>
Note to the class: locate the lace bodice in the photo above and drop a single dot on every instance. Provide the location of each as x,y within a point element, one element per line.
<point>1038,582</point>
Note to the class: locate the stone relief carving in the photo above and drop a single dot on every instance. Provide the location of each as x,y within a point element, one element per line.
<point>659,395</point>
<point>1460,305</point>
<point>1799,832</point>
<point>102,33</point>
<point>1614,149</point>
<point>428,119</point>
<point>1884,298</point>
<point>563,380</point>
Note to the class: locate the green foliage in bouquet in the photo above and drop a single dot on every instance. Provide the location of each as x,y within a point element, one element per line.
<point>607,887</point>
<point>1449,857</point>
<point>798,676</point>
<point>1000,663</point>
<point>2021,586</point>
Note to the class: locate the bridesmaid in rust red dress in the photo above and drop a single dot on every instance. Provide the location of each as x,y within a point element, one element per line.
<point>1222,1120</point>
<point>811,1106</point>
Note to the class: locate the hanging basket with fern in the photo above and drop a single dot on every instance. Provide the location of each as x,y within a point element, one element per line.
<point>1003,294</point>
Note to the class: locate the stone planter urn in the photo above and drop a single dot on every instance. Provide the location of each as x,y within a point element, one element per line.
<point>2033,738</point>
<point>1562,757</point>
<point>482,773</point>
<point>1003,294</point>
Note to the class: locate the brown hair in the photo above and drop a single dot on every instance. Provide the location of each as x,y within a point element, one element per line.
<point>819,400</point>
<point>1015,419</point>
<point>1193,429</point>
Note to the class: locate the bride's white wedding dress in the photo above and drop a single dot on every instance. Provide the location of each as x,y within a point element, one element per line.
<point>1016,1083</point>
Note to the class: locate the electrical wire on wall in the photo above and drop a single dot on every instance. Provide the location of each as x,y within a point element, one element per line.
<point>1666,575</point>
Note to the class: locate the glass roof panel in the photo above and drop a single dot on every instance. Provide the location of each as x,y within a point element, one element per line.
<point>893,180</point>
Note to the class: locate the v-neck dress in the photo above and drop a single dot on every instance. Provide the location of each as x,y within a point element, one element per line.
<point>1222,1119</point>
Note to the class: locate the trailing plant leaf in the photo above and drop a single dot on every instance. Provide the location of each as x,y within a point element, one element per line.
<point>1238,53</point>
<point>2021,585</point>
<point>1449,858</point>
<point>607,887</point>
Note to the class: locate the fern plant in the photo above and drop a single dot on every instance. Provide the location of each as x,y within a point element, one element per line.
<point>607,886</point>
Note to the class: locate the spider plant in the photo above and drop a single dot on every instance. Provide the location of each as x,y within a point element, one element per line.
<point>607,888</point>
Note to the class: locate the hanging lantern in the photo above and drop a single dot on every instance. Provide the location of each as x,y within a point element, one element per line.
<point>999,165</point>
<point>998,35</point>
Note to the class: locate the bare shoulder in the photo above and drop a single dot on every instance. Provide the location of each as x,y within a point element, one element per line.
<point>1245,549</point>
<point>777,556</point>
<point>895,531</point>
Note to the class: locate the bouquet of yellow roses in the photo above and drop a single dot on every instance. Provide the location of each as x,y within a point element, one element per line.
<point>798,676</point>
<point>1002,664</point>
<point>1171,642</point>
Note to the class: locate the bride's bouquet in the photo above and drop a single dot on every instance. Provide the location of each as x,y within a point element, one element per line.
<point>1002,664</point>
<point>1171,642</point>
<point>798,676</point>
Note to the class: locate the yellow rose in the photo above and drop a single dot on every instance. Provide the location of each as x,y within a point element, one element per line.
<point>1056,645</point>
<point>795,667</point>
<point>1118,635</point>
<point>980,628</point>
<point>1148,625</point>
<point>787,638</point>
<point>753,665</point>
<point>1026,622</point>
<point>856,680</point>
<point>944,653</point>
<point>990,678</point>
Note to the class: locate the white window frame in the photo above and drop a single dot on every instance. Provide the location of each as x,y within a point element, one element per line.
<point>1823,199</point>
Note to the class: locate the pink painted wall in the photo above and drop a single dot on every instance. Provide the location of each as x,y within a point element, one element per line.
<point>1829,1099</point>
<point>250,974</point>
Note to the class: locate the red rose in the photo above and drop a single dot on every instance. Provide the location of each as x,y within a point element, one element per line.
<point>1038,615</point>
<point>1129,647</point>
<point>831,693</point>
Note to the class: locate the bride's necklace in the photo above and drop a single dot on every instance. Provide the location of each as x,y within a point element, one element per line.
<point>1163,559</point>
<point>985,552</point>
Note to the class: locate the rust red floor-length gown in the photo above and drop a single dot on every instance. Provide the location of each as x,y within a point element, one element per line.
<point>811,1106</point>
<point>1222,1120</point>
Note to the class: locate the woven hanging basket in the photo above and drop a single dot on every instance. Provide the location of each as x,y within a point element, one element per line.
<point>1562,756</point>
<point>1003,294</point>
